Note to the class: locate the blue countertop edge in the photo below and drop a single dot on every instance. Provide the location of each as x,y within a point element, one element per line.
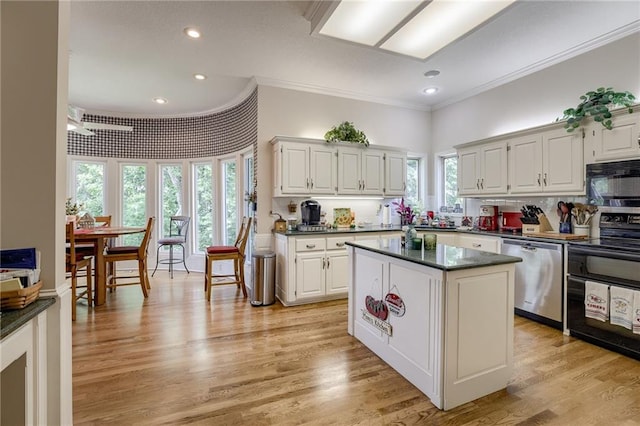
<point>465,258</point>
<point>501,234</point>
<point>12,320</point>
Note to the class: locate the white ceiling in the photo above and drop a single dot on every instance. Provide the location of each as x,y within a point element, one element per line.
<point>125,53</point>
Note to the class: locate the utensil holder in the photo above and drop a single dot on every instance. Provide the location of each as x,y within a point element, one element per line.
<point>581,229</point>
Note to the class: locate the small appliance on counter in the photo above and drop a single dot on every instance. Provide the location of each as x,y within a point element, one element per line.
<point>310,210</point>
<point>280,225</point>
<point>511,222</point>
<point>488,218</point>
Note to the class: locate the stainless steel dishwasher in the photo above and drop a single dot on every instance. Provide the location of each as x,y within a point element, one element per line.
<point>538,280</point>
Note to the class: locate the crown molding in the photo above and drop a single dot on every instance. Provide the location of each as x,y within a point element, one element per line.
<point>266,81</point>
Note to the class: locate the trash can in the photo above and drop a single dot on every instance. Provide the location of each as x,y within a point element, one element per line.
<point>263,271</point>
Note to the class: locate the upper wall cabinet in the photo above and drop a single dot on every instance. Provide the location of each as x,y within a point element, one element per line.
<point>395,173</point>
<point>482,169</point>
<point>619,143</point>
<point>360,171</point>
<point>311,166</point>
<point>547,162</point>
<point>302,169</point>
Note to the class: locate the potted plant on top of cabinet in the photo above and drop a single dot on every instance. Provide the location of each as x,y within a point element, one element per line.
<point>346,132</point>
<point>597,104</point>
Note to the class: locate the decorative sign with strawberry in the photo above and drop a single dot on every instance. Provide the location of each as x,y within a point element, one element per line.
<point>377,308</point>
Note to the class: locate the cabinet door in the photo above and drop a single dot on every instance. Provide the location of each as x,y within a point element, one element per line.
<point>295,169</point>
<point>322,178</point>
<point>336,271</point>
<point>468,172</point>
<point>493,169</point>
<point>349,173</point>
<point>310,268</point>
<point>372,174</point>
<point>562,162</point>
<point>621,142</point>
<point>395,173</point>
<point>525,164</point>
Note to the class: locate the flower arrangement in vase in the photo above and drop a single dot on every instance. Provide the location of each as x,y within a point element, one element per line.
<point>407,215</point>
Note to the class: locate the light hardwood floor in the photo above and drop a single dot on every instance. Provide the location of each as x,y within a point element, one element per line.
<point>175,359</point>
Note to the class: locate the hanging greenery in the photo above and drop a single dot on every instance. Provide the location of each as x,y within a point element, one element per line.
<point>597,104</point>
<point>346,132</point>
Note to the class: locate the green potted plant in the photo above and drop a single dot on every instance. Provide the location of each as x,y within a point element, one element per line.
<point>346,132</point>
<point>597,104</point>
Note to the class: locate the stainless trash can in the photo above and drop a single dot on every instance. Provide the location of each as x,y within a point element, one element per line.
<point>263,272</point>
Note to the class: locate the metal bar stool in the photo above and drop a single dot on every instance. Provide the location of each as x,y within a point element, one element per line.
<point>178,238</point>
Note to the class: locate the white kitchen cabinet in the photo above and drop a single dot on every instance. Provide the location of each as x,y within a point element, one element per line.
<point>479,242</point>
<point>620,143</point>
<point>360,171</point>
<point>482,169</point>
<point>304,169</point>
<point>311,269</point>
<point>547,162</point>
<point>395,174</point>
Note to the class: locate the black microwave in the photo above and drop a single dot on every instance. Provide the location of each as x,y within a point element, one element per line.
<point>615,184</point>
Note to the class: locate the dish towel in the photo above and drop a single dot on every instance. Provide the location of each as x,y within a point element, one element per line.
<point>596,301</point>
<point>621,307</point>
<point>636,312</point>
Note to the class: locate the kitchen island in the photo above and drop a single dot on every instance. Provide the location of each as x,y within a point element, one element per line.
<point>442,318</point>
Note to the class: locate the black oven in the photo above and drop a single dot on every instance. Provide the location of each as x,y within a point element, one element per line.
<point>613,261</point>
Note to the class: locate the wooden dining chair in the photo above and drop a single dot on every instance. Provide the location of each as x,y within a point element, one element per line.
<point>87,248</point>
<point>76,261</point>
<point>123,253</point>
<point>235,253</point>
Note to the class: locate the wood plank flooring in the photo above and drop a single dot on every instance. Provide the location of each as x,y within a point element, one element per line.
<point>174,359</point>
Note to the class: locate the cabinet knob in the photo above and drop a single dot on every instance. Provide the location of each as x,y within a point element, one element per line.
<point>310,246</point>
<point>476,245</point>
<point>545,179</point>
<point>339,244</point>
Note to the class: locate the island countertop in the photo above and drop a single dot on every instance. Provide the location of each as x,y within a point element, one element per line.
<point>444,257</point>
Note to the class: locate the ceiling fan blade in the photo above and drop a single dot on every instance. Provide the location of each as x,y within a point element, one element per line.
<point>104,126</point>
<point>82,131</point>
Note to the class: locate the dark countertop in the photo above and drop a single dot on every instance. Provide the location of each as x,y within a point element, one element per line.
<point>395,228</point>
<point>444,257</point>
<point>12,320</point>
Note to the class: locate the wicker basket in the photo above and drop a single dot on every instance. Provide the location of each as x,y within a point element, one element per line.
<point>18,299</point>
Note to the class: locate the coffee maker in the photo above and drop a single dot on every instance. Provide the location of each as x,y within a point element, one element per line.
<point>488,218</point>
<point>310,210</point>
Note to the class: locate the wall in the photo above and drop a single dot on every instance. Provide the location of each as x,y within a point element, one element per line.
<point>33,168</point>
<point>539,98</point>
<point>287,112</point>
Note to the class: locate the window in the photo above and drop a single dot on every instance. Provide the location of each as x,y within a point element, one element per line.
<point>134,199</point>
<point>203,206</point>
<point>450,181</point>
<point>229,201</point>
<point>171,197</point>
<point>413,180</point>
<point>89,186</point>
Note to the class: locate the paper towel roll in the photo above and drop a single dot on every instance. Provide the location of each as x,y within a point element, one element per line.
<point>386,218</point>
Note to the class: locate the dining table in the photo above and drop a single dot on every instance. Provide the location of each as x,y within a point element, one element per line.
<point>98,236</point>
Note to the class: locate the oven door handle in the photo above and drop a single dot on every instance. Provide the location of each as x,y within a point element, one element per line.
<point>602,252</point>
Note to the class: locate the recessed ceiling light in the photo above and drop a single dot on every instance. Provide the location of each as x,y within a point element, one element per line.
<point>200,76</point>
<point>430,90</point>
<point>192,32</point>
<point>160,101</point>
<point>432,73</point>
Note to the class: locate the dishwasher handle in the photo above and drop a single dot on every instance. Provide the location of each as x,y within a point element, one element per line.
<point>532,245</point>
